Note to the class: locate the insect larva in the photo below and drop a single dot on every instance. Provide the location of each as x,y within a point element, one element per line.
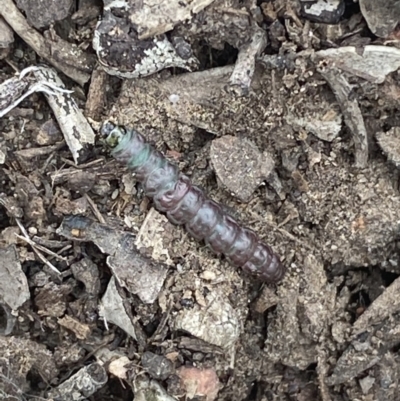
<point>185,204</point>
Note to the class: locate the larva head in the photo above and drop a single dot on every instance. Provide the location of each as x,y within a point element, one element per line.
<point>112,134</point>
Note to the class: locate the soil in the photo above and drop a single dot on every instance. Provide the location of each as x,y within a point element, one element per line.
<point>103,298</point>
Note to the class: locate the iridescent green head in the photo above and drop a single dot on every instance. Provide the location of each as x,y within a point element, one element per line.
<point>112,134</point>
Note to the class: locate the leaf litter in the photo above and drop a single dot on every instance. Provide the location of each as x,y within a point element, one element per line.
<point>309,93</point>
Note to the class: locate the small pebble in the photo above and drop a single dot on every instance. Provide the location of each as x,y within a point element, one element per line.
<point>239,165</point>
<point>115,194</point>
<point>158,366</point>
<point>32,230</point>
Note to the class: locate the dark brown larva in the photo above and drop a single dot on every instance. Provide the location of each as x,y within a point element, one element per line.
<point>186,204</point>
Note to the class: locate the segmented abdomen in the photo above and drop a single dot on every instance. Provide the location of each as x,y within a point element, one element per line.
<point>186,204</point>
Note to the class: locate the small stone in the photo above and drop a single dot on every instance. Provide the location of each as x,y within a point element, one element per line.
<point>48,134</point>
<point>19,54</point>
<point>158,366</point>
<point>239,165</point>
<point>199,382</point>
<point>32,230</point>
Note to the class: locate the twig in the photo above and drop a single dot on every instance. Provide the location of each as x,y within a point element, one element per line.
<point>95,209</point>
<point>351,111</point>
<point>38,253</point>
<point>41,248</point>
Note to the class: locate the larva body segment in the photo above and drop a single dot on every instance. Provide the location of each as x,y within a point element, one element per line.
<point>185,204</point>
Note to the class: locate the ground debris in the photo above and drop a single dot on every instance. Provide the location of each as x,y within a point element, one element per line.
<point>41,13</point>
<point>323,119</point>
<point>382,16</point>
<point>51,299</point>
<point>351,112</point>
<point>330,206</point>
<point>128,56</point>
<point>19,356</point>
<point>81,330</point>
<point>387,378</point>
<point>389,141</point>
<point>358,235</point>
<point>14,290</point>
<point>137,273</point>
<point>147,50</point>
<point>81,385</point>
<point>87,272</point>
<point>6,38</point>
<point>155,236</point>
<point>372,63</point>
<point>303,316</point>
<point>48,134</point>
<point>76,130</point>
<point>366,350</point>
<point>382,307</point>
<point>71,60</point>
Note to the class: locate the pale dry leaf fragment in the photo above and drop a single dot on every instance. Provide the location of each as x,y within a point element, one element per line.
<point>140,275</point>
<point>239,165</point>
<point>154,234</point>
<point>246,61</point>
<point>14,289</point>
<point>119,367</point>
<point>199,382</point>
<point>372,62</point>
<point>366,384</point>
<point>217,323</point>
<point>15,89</point>
<point>323,118</point>
<point>382,16</point>
<point>76,129</point>
<point>3,154</point>
<point>83,384</point>
<point>6,38</point>
<point>318,300</point>
<point>113,311</point>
